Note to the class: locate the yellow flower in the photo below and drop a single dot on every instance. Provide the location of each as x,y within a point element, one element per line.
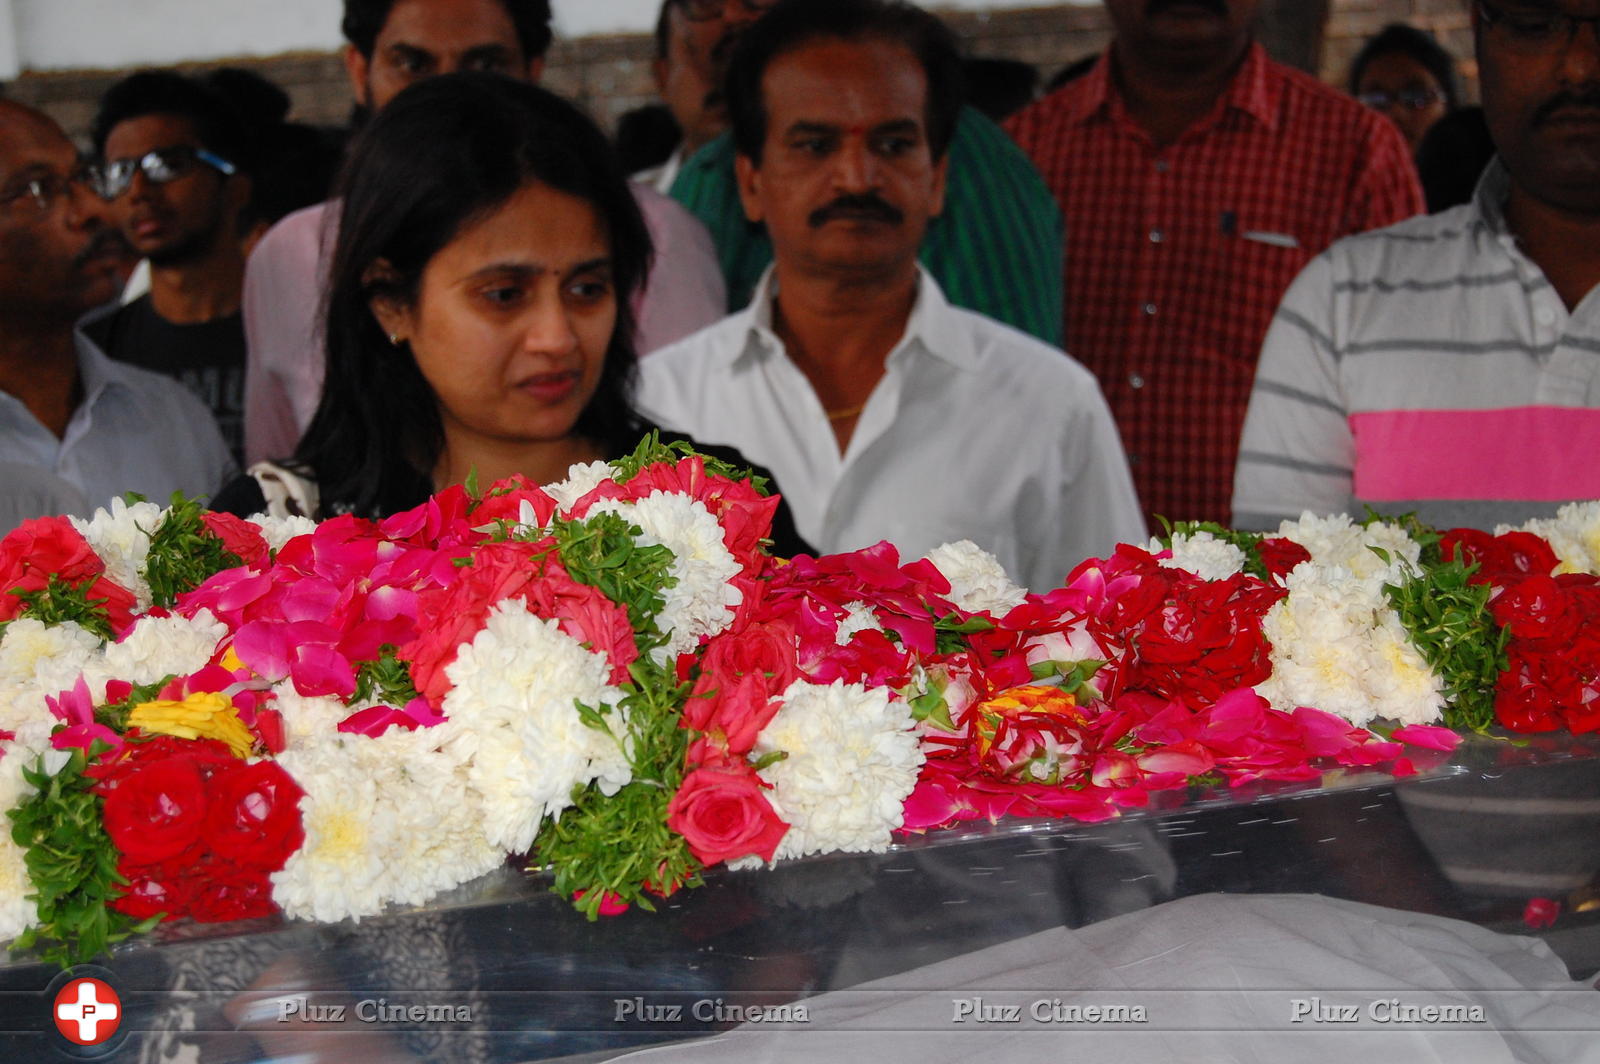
<point>202,715</point>
<point>1028,700</point>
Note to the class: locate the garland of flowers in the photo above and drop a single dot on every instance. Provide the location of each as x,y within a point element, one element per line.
<point>211,718</point>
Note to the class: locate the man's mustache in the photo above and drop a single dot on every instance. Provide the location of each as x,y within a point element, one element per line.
<point>867,208</point>
<point>1566,101</point>
<point>1155,7</point>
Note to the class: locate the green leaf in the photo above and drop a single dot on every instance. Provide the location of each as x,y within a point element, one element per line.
<point>183,552</point>
<point>71,864</point>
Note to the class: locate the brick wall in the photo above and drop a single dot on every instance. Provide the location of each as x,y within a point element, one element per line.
<point>611,75</point>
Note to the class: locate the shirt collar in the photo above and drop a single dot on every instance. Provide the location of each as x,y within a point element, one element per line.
<point>96,371</point>
<point>1253,90</point>
<point>933,327</point>
<point>1489,196</point>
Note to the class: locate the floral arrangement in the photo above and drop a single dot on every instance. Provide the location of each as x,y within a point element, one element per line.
<point>212,718</point>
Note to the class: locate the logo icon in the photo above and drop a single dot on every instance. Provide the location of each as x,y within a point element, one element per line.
<point>87,1012</point>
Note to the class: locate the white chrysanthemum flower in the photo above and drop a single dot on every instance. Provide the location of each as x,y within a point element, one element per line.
<point>308,720</point>
<point>978,582</point>
<point>1339,541</point>
<point>278,531</point>
<point>702,601</point>
<point>120,535</point>
<point>1204,555</point>
<point>852,759</point>
<point>858,617</point>
<point>582,478</point>
<point>38,661</point>
<point>158,647</point>
<point>388,820</point>
<point>1573,533</point>
<point>1338,646</point>
<point>514,722</point>
<point>17,914</point>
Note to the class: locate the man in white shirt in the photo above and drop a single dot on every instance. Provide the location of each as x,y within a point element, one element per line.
<point>91,428</point>
<point>393,43</point>
<point>883,411</point>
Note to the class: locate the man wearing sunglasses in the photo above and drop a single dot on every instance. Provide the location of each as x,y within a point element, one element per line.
<point>86,428</point>
<point>172,173</point>
<point>1450,365</point>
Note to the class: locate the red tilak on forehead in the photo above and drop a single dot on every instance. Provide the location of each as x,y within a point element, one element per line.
<point>853,130</point>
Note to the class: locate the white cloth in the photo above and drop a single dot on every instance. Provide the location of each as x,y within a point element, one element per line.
<point>1427,367</point>
<point>134,430</point>
<point>286,273</point>
<point>661,176</point>
<point>1218,977</point>
<point>976,431</point>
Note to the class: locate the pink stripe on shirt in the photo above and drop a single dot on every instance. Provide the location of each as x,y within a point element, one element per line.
<point>1545,453</point>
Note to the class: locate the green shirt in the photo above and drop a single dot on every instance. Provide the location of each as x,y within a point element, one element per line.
<point>996,249</point>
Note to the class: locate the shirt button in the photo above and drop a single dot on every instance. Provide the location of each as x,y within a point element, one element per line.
<point>1162,166</point>
<point>1156,236</point>
<point>1544,316</point>
<point>1133,459</point>
<point>1149,310</point>
<point>1136,381</point>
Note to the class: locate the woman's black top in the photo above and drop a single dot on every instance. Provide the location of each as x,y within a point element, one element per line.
<point>243,497</point>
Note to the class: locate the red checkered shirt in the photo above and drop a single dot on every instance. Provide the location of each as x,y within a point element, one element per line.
<point>1176,257</point>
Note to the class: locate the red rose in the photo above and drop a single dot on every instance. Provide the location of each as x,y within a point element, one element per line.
<point>239,537</point>
<point>152,889</point>
<point>37,550</point>
<point>1500,559</point>
<point>1280,555</point>
<point>723,816</point>
<point>220,893</point>
<point>254,821</point>
<point>1536,609</point>
<point>157,811</point>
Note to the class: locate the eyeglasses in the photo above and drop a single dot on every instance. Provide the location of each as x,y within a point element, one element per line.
<point>43,193</point>
<point>1411,99</point>
<point>160,166</point>
<point>1533,32</point>
<point>705,10</point>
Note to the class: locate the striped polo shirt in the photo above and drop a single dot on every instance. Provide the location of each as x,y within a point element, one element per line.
<point>1428,367</point>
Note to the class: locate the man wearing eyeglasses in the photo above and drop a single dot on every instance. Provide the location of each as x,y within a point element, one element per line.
<point>173,176</point>
<point>90,427</point>
<point>1450,365</point>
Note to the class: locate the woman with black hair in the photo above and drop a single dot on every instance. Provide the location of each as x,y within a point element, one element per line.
<point>1404,73</point>
<point>477,313</point>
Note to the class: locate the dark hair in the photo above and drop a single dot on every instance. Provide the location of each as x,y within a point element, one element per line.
<point>364,20</point>
<point>444,153</point>
<point>1397,37</point>
<point>794,23</point>
<point>1000,87</point>
<point>217,124</point>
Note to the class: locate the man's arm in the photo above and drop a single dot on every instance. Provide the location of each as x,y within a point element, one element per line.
<point>1296,452</point>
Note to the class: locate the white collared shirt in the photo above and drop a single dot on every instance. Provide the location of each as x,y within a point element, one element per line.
<point>975,431</point>
<point>133,431</point>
